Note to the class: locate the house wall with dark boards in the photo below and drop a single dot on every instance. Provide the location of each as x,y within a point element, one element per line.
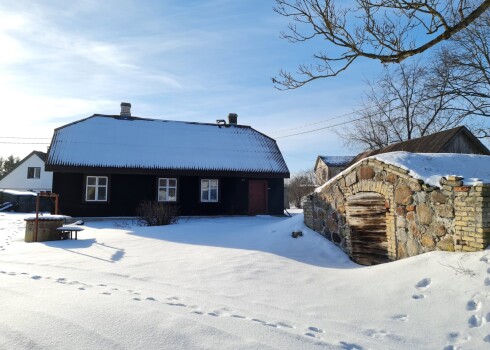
<point>126,191</point>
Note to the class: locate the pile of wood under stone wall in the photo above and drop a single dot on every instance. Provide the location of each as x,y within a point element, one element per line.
<point>419,217</point>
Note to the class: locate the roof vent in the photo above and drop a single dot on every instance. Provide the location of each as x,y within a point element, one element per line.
<point>125,110</point>
<point>232,118</point>
<point>221,122</point>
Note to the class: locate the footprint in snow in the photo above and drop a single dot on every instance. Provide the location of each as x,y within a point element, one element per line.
<point>150,298</point>
<point>473,305</point>
<point>36,277</point>
<point>423,284</point>
<point>401,317</point>
<point>213,314</point>
<point>198,312</point>
<point>487,281</point>
<point>310,335</point>
<point>238,316</point>
<point>456,338</point>
<point>418,296</point>
<point>350,346</point>
<point>105,293</point>
<point>136,299</point>
<point>284,324</point>
<point>315,329</point>
<point>177,304</point>
<point>257,320</point>
<point>450,347</point>
<point>376,334</point>
<point>475,321</point>
<point>487,339</point>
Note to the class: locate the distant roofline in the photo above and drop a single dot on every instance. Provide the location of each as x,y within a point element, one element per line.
<point>450,132</point>
<point>320,157</point>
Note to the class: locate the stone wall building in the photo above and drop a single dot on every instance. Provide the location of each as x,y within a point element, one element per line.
<point>395,205</point>
<point>326,167</point>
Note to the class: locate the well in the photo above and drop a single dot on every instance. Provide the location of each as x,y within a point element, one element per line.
<point>46,228</point>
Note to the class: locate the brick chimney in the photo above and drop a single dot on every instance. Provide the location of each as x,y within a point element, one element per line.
<point>232,119</point>
<point>125,109</point>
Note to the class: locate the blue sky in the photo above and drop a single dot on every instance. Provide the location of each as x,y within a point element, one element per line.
<point>181,60</point>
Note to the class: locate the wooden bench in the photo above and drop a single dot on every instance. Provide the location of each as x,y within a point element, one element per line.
<point>67,231</point>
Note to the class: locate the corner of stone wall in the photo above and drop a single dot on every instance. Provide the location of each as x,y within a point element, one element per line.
<point>472,217</point>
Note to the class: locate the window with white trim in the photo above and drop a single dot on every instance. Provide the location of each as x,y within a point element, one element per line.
<point>167,189</point>
<point>33,172</point>
<point>96,188</point>
<point>209,190</point>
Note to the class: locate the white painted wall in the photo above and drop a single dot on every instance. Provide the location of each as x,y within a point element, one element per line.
<point>17,179</point>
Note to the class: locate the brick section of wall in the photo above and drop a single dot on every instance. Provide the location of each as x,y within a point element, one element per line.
<point>472,214</point>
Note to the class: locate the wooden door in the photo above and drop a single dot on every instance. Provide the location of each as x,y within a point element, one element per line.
<point>257,197</point>
<point>366,216</point>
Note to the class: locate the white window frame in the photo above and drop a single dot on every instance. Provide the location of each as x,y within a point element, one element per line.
<point>97,186</point>
<point>208,199</point>
<point>36,171</point>
<point>167,188</point>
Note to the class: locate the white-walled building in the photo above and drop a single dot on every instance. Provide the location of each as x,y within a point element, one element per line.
<point>29,175</point>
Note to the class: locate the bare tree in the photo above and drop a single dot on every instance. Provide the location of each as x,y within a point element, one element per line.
<point>384,30</point>
<point>300,185</point>
<point>401,105</point>
<point>465,64</point>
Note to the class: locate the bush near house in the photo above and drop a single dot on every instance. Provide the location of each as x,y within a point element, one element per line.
<point>153,213</point>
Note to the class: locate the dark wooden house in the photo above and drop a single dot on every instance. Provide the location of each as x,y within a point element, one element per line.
<point>105,165</point>
<point>456,140</point>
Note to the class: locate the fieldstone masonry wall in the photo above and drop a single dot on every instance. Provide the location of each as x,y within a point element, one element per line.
<point>419,217</point>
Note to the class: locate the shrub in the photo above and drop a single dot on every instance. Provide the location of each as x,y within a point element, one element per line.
<point>153,213</point>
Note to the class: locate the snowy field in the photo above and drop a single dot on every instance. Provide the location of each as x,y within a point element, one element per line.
<point>231,283</point>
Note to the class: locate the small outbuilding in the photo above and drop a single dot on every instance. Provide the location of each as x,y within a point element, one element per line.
<point>327,167</point>
<point>391,206</point>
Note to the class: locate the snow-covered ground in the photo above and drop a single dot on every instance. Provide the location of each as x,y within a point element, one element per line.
<point>231,283</point>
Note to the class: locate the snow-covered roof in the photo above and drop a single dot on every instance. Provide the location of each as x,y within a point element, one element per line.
<point>337,160</point>
<point>136,143</point>
<point>19,193</point>
<point>431,167</point>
